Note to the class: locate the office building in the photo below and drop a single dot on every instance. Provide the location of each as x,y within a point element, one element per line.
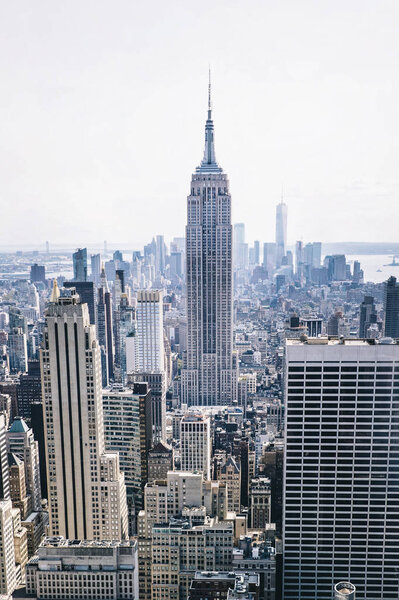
<point>219,585</point>
<point>95,263</point>
<point>195,444</point>
<point>340,484</point>
<point>391,308</point>
<point>149,331</point>
<point>240,247</point>
<point>87,295</point>
<point>179,550</point>
<point>209,377</point>
<point>256,252</point>
<point>29,389</point>
<point>160,461</point>
<point>259,503</point>
<point>8,575</point>
<point>79,473</point>
<point>123,434</point>
<point>163,500</point>
<point>269,257</point>
<point>230,474</point>
<point>4,475</point>
<point>157,384</point>
<point>79,259</point>
<point>105,329</point>
<point>314,326</point>
<point>368,315</point>
<point>37,273</point>
<point>150,354</point>
<point>18,494</point>
<point>21,443</point>
<point>124,328</point>
<point>18,350</point>
<point>84,569</point>
<point>37,423</point>
<point>254,554</point>
<point>281,232</point>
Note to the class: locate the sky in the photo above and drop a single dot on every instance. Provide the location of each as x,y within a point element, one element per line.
<point>103,107</point>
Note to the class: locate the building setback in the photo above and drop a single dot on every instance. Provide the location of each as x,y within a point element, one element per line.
<point>209,377</point>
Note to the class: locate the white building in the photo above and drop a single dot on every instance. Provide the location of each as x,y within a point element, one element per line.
<point>341,486</point>
<point>149,331</point>
<point>78,472</point>
<point>4,475</point>
<point>195,440</point>
<point>209,376</point>
<point>70,569</point>
<point>8,577</point>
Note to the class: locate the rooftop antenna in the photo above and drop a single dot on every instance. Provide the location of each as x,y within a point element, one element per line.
<point>209,93</point>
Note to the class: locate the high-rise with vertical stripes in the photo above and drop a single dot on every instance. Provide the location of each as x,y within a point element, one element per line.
<point>209,377</point>
<point>87,495</point>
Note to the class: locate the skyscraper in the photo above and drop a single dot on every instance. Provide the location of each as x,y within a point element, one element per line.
<point>18,350</point>
<point>149,335</point>
<point>209,377</point>
<point>341,486</point>
<point>150,355</point>
<point>4,477</point>
<point>391,307</point>
<point>125,428</point>
<point>368,315</point>
<point>95,261</point>
<point>195,436</point>
<point>104,329</point>
<point>87,496</point>
<point>80,264</point>
<point>281,231</point>
<point>21,442</point>
<point>8,576</point>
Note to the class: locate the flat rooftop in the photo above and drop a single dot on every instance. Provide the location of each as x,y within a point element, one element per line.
<point>333,341</point>
<point>61,542</point>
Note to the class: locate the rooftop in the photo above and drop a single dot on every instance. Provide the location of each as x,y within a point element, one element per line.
<point>334,341</point>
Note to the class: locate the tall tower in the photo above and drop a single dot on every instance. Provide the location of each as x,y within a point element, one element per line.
<point>8,576</point>
<point>208,376</point>
<point>281,231</point>
<point>86,491</point>
<point>391,308</point>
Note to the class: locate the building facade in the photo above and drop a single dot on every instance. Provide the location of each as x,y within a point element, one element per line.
<point>70,569</point>
<point>341,486</point>
<point>209,377</point>
<point>195,441</point>
<point>78,471</point>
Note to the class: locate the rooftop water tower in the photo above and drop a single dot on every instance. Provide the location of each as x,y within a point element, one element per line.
<point>344,591</point>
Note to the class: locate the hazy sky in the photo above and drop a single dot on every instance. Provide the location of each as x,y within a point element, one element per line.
<point>103,106</point>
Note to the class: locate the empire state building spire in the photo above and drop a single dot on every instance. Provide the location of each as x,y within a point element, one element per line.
<point>209,163</point>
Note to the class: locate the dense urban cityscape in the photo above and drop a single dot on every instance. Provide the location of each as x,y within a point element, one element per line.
<point>207,419</point>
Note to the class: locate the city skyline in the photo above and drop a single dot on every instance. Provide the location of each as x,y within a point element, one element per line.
<point>93,136</point>
<point>199,378</point>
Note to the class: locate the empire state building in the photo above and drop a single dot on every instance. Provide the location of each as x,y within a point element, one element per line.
<point>209,375</point>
